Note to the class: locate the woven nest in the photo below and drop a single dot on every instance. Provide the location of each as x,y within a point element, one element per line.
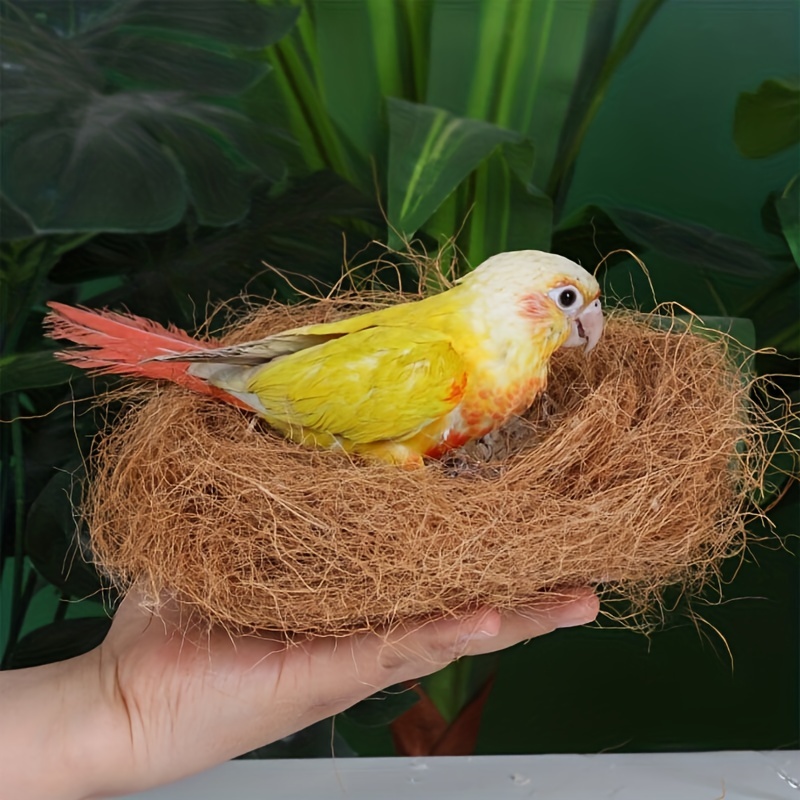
<point>634,471</point>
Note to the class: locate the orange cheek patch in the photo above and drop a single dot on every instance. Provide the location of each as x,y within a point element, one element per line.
<point>536,305</point>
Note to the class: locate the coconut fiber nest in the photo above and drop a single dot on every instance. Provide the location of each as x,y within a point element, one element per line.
<point>635,471</point>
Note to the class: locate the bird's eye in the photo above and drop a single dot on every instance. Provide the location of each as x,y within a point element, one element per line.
<point>567,298</point>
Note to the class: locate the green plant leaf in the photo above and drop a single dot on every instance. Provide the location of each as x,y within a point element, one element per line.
<point>741,329</point>
<point>55,541</point>
<point>430,153</point>
<point>383,707</point>
<point>151,44</point>
<point>59,641</point>
<point>508,212</point>
<point>194,46</point>
<point>171,274</point>
<point>588,87</point>
<point>140,174</point>
<point>133,119</point>
<point>507,63</point>
<point>461,82</point>
<point>351,85</point>
<point>689,242</point>
<point>788,209</point>
<point>589,234</point>
<point>603,53</point>
<point>19,371</point>
<point>768,120</point>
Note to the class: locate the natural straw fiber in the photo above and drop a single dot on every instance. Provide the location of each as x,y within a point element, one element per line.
<point>634,471</point>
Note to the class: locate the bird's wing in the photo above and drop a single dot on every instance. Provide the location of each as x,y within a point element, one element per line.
<point>260,351</point>
<point>253,353</point>
<point>371,385</point>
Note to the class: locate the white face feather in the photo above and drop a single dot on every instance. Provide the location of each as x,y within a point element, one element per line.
<point>523,271</point>
<point>510,289</point>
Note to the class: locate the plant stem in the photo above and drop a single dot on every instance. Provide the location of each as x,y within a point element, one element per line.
<point>640,18</point>
<point>482,91</point>
<point>417,19</point>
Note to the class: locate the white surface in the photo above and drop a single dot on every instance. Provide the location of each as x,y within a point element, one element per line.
<point>673,776</point>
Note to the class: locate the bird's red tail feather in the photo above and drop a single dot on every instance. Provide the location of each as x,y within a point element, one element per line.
<point>121,344</point>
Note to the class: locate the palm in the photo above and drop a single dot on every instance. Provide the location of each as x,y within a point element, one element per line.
<point>191,699</point>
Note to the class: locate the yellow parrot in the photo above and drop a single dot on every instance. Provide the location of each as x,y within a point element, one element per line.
<point>399,384</point>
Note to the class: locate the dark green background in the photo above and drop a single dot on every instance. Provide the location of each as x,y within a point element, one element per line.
<point>661,142</point>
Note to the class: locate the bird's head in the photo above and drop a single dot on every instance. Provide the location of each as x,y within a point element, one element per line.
<point>548,289</point>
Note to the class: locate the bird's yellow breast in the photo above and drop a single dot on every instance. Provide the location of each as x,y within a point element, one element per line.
<point>506,358</point>
<point>418,378</point>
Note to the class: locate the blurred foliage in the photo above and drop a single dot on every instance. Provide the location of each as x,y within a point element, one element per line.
<point>455,111</point>
<point>116,116</point>
<point>133,174</point>
<point>158,155</point>
<point>768,120</point>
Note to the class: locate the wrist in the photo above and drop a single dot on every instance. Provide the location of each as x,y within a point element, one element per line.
<point>65,739</point>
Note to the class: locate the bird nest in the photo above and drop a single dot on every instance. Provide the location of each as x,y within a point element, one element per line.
<point>635,471</point>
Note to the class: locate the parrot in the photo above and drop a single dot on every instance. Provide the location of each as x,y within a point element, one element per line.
<point>405,383</point>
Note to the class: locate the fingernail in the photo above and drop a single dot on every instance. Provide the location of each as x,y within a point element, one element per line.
<point>578,613</point>
<point>483,633</point>
<point>487,627</point>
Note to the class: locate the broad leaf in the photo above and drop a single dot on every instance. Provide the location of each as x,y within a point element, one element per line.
<point>175,275</point>
<point>508,64</point>
<point>508,211</point>
<point>603,53</point>
<point>383,707</point>
<point>129,117</point>
<point>125,37</point>
<point>694,244</point>
<point>788,208</point>
<point>59,641</point>
<point>20,371</point>
<point>430,153</point>
<point>688,242</point>
<point>588,235</point>
<point>352,68</point>
<point>54,540</point>
<point>768,120</point>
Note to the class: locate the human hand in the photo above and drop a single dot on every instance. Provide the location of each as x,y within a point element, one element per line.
<point>153,704</point>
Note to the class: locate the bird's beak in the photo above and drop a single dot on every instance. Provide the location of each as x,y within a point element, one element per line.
<point>587,327</point>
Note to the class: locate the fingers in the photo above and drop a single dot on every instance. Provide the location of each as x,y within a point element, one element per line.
<point>296,685</point>
<point>357,666</point>
<point>252,690</point>
<point>436,644</point>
